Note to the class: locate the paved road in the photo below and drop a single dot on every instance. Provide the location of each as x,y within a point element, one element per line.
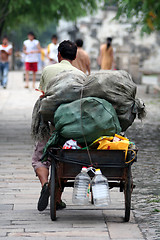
<point>146,172</point>
<point>19,187</point>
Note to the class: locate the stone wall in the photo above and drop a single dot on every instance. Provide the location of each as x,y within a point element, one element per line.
<point>131,52</point>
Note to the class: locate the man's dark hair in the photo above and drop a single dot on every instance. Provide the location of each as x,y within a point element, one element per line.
<point>68,50</point>
<point>32,34</point>
<point>79,42</point>
<point>109,42</point>
<point>54,36</point>
<point>5,37</point>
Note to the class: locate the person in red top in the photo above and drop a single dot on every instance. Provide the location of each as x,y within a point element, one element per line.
<point>5,52</point>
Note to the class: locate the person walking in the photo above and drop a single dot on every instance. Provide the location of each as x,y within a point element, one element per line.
<point>31,48</point>
<point>5,52</point>
<point>106,55</point>
<point>42,58</point>
<point>66,54</point>
<point>82,61</point>
<point>52,50</point>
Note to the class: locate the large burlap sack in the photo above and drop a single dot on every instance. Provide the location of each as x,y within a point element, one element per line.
<point>90,117</point>
<point>64,88</point>
<point>117,88</point>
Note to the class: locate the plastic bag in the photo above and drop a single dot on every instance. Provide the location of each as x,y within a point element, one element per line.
<point>113,143</point>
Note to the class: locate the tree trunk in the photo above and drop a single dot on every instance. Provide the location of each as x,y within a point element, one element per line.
<point>4,11</point>
<point>1,28</point>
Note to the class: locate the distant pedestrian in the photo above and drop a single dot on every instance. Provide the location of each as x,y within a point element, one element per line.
<point>5,52</point>
<point>106,55</point>
<point>31,48</point>
<point>42,58</point>
<point>82,61</point>
<point>52,50</point>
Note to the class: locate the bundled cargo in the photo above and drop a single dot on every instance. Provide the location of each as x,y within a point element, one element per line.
<point>64,88</point>
<point>86,118</point>
<point>116,87</point>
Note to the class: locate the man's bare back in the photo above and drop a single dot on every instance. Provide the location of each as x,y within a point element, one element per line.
<point>4,56</point>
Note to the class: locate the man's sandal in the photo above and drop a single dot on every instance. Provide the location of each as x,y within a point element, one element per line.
<point>44,197</point>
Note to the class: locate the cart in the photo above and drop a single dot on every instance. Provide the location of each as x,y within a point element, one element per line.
<point>66,164</point>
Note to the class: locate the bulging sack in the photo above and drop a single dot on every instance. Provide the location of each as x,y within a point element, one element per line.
<point>64,88</point>
<point>117,88</point>
<point>87,117</point>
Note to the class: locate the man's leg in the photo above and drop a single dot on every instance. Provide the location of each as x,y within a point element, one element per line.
<point>1,73</point>
<point>34,79</point>
<point>41,169</point>
<point>5,74</point>
<point>27,79</point>
<point>42,173</point>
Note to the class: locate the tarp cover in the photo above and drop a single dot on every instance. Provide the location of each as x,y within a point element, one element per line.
<point>90,117</point>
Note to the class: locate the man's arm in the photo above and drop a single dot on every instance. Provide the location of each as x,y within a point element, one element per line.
<point>112,55</point>
<point>39,48</point>
<point>24,50</point>
<point>10,51</point>
<point>48,51</point>
<point>100,56</point>
<point>88,65</point>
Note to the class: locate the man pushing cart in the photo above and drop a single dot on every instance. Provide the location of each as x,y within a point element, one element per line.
<point>83,109</point>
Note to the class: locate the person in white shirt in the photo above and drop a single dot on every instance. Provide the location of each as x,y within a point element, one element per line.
<point>52,50</point>
<point>5,52</point>
<point>31,48</point>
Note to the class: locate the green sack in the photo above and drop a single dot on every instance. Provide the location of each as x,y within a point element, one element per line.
<point>90,117</point>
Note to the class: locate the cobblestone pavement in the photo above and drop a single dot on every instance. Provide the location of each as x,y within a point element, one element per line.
<point>19,188</point>
<point>146,172</point>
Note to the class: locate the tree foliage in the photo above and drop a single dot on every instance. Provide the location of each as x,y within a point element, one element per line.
<point>18,35</point>
<point>145,13</point>
<point>14,12</point>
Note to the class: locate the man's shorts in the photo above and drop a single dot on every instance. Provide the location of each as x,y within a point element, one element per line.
<point>37,154</point>
<point>31,66</point>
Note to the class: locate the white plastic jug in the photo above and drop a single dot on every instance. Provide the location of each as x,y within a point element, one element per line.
<point>81,188</point>
<point>100,190</point>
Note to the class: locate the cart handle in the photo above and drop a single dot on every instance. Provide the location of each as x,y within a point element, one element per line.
<point>135,154</point>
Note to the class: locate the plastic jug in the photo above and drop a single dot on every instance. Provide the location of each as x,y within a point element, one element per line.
<point>81,188</point>
<point>100,190</point>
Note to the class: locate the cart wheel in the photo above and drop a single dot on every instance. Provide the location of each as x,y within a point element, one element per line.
<point>52,191</point>
<point>127,194</point>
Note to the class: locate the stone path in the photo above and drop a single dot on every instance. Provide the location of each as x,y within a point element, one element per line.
<point>19,188</point>
<point>146,172</point>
